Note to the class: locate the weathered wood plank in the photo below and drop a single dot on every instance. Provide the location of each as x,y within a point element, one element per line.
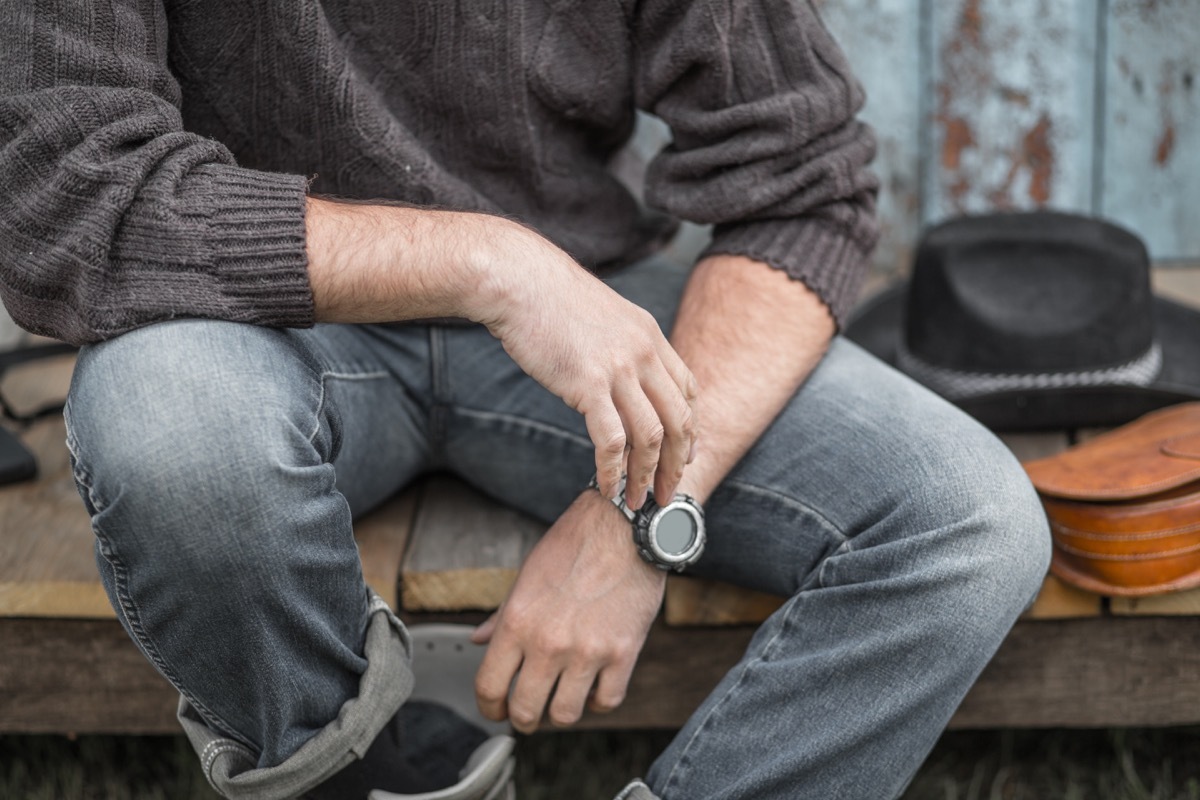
<point>1090,673</point>
<point>47,565</point>
<point>698,601</point>
<point>1185,603</point>
<point>1058,600</point>
<point>465,549</point>
<point>1152,123</point>
<point>85,676</point>
<point>1014,97</point>
<point>381,537</point>
<point>882,40</point>
<point>79,676</point>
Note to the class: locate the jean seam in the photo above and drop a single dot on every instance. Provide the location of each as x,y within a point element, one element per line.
<point>793,503</point>
<point>126,605</point>
<point>677,768</point>
<point>213,750</point>
<point>524,422</point>
<point>342,376</point>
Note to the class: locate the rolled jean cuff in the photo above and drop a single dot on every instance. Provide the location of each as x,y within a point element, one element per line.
<point>387,682</point>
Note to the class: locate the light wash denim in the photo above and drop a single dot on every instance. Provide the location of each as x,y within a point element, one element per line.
<point>223,463</point>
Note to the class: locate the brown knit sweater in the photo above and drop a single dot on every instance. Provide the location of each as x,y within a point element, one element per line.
<point>155,154</point>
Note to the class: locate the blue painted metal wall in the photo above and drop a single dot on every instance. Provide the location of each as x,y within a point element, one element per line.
<point>1087,105</point>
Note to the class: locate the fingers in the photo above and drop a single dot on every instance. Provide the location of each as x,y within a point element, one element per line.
<point>607,433</point>
<point>571,695</point>
<point>679,433</point>
<point>645,433</point>
<point>495,676</point>
<point>483,634</point>
<point>646,411</point>
<point>611,686</point>
<point>531,693</point>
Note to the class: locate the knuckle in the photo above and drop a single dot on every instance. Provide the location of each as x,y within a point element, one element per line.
<point>652,435</point>
<point>608,701</point>
<point>613,443</point>
<point>562,717</point>
<point>523,718</point>
<point>591,652</point>
<point>687,422</point>
<point>489,690</point>
<point>553,645</point>
<point>625,652</point>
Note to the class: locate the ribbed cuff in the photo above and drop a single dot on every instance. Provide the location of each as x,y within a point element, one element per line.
<point>257,232</point>
<point>816,251</point>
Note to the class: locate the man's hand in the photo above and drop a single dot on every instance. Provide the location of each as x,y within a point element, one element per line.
<point>573,624</point>
<point>604,356</point>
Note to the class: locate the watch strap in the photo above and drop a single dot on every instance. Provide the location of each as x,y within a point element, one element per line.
<point>619,500</point>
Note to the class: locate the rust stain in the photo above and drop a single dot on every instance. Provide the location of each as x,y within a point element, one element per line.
<point>1039,157</point>
<point>970,23</point>
<point>1036,154</point>
<point>966,62</point>
<point>958,137</point>
<point>1166,146</point>
<point>1015,96</point>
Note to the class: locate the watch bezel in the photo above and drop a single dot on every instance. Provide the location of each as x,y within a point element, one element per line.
<point>647,528</point>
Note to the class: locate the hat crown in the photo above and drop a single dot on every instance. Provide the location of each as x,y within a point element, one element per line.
<point>1030,293</point>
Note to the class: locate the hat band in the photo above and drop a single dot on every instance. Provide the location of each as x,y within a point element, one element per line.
<point>955,385</point>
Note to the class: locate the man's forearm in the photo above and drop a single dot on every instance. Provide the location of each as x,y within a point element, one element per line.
<point>382,263</point>
<point>750,335</point>
<point>605,357</point>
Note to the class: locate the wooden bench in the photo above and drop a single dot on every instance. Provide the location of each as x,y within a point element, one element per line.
<point>442,552</point>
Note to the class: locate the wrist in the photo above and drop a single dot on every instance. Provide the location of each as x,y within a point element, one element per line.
<point>493,244</point>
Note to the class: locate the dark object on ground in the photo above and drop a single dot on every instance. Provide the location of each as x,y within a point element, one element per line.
<point>1036,321</point>
<point>16,463</point>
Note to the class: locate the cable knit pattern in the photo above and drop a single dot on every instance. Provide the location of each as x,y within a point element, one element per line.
<point>156,153</point>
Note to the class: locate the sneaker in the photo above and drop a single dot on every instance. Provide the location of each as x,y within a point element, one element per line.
<point>487,775</point>
<point>636,791</point>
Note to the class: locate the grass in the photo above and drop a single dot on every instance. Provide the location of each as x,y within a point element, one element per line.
<point>1157,764</point>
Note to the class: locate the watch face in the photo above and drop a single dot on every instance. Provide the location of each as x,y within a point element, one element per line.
<point>675,532</point>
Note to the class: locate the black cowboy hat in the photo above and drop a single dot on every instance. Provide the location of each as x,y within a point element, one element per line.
<point>1035,321</point>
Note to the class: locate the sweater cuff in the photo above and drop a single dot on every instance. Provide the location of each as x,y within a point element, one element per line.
<point>821,254</point>
<point>256,226</point>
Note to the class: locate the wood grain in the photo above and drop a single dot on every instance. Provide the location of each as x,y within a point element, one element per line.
<point>85,676</point>
<point>79,676</point>
<point>1058,600</point>
<point>382,537</point>
<point>1186,603</point>
<point>465,550</point>
<point>698,601</point>
<point>1088,673</point>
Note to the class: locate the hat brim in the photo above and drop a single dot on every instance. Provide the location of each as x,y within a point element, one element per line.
<point>879,323</point>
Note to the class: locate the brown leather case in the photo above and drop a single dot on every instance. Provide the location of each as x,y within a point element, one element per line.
<point>1124,508</point>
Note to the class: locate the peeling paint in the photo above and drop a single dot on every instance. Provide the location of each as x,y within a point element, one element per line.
<point>1166,146</point>
<point>1011,97</point>
<point>958,138</point>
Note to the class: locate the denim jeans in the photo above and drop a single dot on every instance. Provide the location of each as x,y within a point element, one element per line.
<point>223,464</point>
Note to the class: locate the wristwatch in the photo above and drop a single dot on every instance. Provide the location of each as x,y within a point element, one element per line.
<point>669,536</point>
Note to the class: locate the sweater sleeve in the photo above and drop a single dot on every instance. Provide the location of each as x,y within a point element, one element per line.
<point>761,104</point>
<point>111,215</point>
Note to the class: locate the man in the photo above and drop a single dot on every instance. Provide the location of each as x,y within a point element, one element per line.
<point>167,173</point>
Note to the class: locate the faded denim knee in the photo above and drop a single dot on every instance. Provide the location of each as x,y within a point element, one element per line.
<point>203,452</point>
